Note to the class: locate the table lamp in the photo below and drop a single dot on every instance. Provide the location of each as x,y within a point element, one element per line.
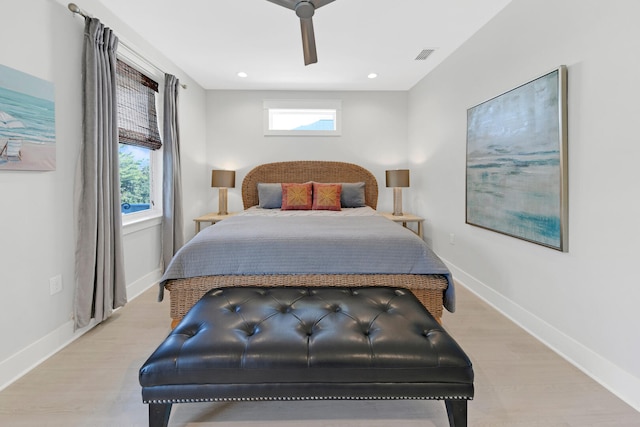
<point>397,179</point>
<point>223,179</point>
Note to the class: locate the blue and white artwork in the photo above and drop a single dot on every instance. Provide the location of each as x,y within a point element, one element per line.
<point>27,122</point>
<point>515,162</point>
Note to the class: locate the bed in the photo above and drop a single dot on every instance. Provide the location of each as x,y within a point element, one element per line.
<point>193,270</point>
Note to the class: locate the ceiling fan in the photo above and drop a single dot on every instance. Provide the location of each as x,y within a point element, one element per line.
<point>304,10</point>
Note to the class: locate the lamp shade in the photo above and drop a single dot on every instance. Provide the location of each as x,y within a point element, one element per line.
<point>223,179</point>
<point>398,178</point>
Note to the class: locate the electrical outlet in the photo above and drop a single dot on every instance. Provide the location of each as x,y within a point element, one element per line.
<point>452,239</point>
<point>55,284</point>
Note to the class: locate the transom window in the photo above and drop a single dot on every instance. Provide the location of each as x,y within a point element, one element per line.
<point>302,117</point>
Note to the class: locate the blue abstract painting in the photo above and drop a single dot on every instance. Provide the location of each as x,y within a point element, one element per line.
<point>27,122</point>
<point>516,162</point>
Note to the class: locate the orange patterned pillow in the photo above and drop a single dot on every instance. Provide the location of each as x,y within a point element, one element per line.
<point>296,196</point>
<point>326,196</point>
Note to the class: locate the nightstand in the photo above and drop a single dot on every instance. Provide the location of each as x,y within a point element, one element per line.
<point>404,219</point>
<point>212,218</point>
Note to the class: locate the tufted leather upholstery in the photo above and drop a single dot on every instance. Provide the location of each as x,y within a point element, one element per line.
<point>307,343</point>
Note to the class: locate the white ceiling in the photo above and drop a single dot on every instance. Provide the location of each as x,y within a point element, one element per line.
<point>213,40</point>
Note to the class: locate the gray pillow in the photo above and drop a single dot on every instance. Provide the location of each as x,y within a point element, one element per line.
<point>269,195</point>
<point>352,195</point>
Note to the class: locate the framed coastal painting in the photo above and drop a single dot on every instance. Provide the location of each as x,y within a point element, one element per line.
<point>516,171</point>
<point>27,122</point>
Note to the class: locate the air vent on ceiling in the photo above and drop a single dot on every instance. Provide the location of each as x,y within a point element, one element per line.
<point>424,54</point>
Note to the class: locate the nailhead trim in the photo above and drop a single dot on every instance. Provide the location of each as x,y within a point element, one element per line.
<point>286,398</point>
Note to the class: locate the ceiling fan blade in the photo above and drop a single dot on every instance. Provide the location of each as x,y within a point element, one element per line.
<point>305,10</point>
<point>308,41</point>
<point>289,4</point>
<point>319,3</point>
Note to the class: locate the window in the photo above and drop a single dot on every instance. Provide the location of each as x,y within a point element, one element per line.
<point>135,178</point>
<point>140,143</point>
<point>302,117</point>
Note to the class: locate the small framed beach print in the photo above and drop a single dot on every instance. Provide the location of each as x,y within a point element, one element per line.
<point>27,122</point>
<point>516,169</point>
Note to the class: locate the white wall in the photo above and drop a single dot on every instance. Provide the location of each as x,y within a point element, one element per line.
<point>374,135</point>
<point>582,303</point>
<point>37,226</point>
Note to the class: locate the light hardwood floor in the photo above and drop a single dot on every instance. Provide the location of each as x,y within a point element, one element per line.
<point>519,382</point>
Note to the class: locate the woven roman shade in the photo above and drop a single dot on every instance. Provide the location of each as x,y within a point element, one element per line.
<point>137,116</point>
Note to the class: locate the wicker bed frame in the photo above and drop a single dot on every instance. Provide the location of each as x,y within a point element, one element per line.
<point>429,289</point>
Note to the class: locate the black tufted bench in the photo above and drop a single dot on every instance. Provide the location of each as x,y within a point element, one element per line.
<point>307,343</point>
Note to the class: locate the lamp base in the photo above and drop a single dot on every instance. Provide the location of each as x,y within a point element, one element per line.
<point>222,201</point>
<point>397,201</point>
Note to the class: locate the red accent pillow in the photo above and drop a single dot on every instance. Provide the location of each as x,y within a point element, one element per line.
<point>296,196</point>
<point>326,196</point>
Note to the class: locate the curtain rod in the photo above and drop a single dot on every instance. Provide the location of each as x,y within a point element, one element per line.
<point>75,9</point>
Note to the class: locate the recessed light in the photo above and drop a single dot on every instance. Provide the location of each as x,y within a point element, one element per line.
<point>372,75</point>
<point>242,74</point>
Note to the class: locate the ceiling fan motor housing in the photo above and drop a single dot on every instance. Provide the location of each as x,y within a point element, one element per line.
<point>305,9</point>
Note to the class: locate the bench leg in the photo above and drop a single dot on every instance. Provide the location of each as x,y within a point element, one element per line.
<point>457,412</point>
<point>159,414</point>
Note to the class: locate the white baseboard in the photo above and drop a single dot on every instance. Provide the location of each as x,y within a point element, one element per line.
<point>142,284</point>
<point>610,376</point>
<point>20,363</point>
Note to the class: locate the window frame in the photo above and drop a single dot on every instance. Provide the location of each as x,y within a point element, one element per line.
<point>301,104</point>
<point>155,161</point>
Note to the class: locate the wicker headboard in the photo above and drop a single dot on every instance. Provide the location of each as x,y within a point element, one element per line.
<point>304,171</point>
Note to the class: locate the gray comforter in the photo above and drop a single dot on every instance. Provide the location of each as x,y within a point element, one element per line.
<point>255,245</point>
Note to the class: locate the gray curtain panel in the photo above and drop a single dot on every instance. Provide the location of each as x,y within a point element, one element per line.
<point>100,282</point>
<point>172,232</point>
